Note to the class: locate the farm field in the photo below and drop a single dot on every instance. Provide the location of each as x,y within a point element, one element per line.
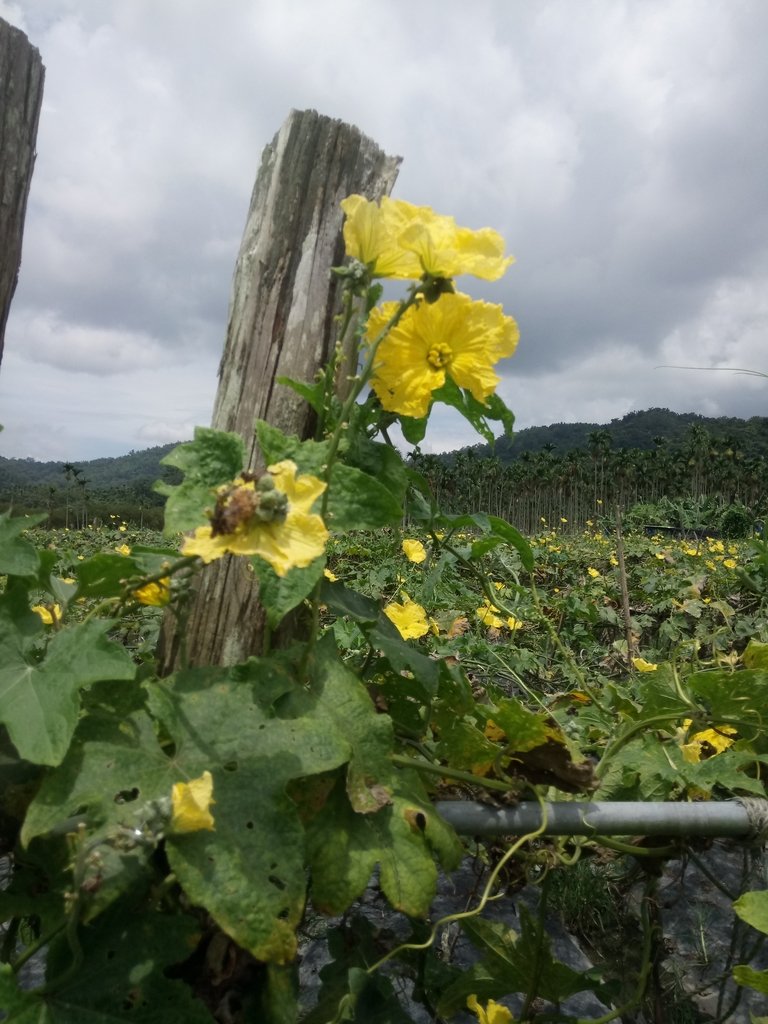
<point>521,684</point>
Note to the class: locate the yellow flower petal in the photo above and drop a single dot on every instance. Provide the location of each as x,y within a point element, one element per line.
<point>494,1013</point>
<point>49,613</point>
<point>644,666</point>
<point>414,551</point>
<point>191,802</point>
<point>397,239</point>
<point>123,549</point>
<point>409,618</point>
<point>455,337</point>
<point>156,595</point>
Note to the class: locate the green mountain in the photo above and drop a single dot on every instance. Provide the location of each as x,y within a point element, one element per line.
<point>638,430</point>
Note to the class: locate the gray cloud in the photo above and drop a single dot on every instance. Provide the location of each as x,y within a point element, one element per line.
<point>620,146</point>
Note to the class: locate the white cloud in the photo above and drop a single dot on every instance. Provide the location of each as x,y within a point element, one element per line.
<point>621,147</point>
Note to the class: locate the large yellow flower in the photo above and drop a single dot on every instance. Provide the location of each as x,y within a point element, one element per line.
<point>397,239</point>
<point>455,338</point>
<point>288,542</point>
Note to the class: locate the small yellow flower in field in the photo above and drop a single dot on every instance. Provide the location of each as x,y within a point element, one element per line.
<point>293,538</point>
<point>661,555</point>
<point>614,560</point>
<point>499,586</point>
<point>80,558</point>
<point>111,516</point>
<point>717,740</point>
<point>122,527</point>
<point>156,595</point>
<point>409,618</point>
<point>691,551</point>
<point>414,551</point>
<point>644,666</point>
<point>488,615</point>
<point>716,546</point>
<point>123,549</point>
<point>594,573</point>
<point>599,501</point>
<point>455,337</point>
<point>710,564</point>
<point>191,802</point>
<point>514,623</point>
<point>589,522</point>
<point>330,575</point>
<point>563,519</point>
<point>730,563</point>
<point>397,239</point>
<point>49,613</point>
<point>494,1013</point>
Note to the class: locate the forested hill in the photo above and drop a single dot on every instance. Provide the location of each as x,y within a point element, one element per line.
<point>638,430</point>
<point>123,471</point>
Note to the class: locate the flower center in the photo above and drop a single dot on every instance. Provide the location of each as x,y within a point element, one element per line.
<point>440,355</point>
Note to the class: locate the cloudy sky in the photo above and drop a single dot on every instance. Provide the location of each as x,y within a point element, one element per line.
<point>620,146</point>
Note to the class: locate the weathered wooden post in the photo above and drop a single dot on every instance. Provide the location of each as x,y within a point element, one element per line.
<point>281,314</point>
<point>21,95</point>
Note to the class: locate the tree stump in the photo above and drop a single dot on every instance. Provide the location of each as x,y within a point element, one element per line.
<point>21,95</point>
<point>282,308</point>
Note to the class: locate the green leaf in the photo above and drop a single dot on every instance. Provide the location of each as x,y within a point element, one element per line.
<point>213,458</point>
<point>343,849</point>
<point>524,729</point>
<point>39,702</point>
<point>281,594</point>
<point>314,394</point>
<point>756,655</point>
<point>249,874</point>
<point>414,430</point>
<point>343,601</point>
<point>309,456</point>
<point>476,413</point>
<point>358,501</point>
<point>752,907</point>
<point>732,694</point>
<point>17,556</point>
<point>514,538</point>
<point>104,575</point>
<point>122,978</point>
<point>114,768</point>
<point>758,980</point>
<point>509,962</point>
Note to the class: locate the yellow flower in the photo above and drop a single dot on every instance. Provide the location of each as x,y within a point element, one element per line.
<point>644,666</point>
<point>717,739</point>
<point>729,563</point>
<point>286,543</point>
<point>191,802</point>
<point>455,338</point>
<point>49,613</point>
<point>494,1013</point>
<point>330,575</point>
<point>414,551</point>
<point>488,617</point>
<point>157,594</point>
<point>563,519</point>
<point>122,527</point>
<point>409,618</point>
<point>594,573</point>
<point>123,549</point>
<point>397,239</point>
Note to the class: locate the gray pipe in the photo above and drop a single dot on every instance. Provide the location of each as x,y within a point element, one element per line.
<point>705,818</point>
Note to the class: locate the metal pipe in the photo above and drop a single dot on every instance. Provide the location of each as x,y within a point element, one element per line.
<point>705,818</point>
